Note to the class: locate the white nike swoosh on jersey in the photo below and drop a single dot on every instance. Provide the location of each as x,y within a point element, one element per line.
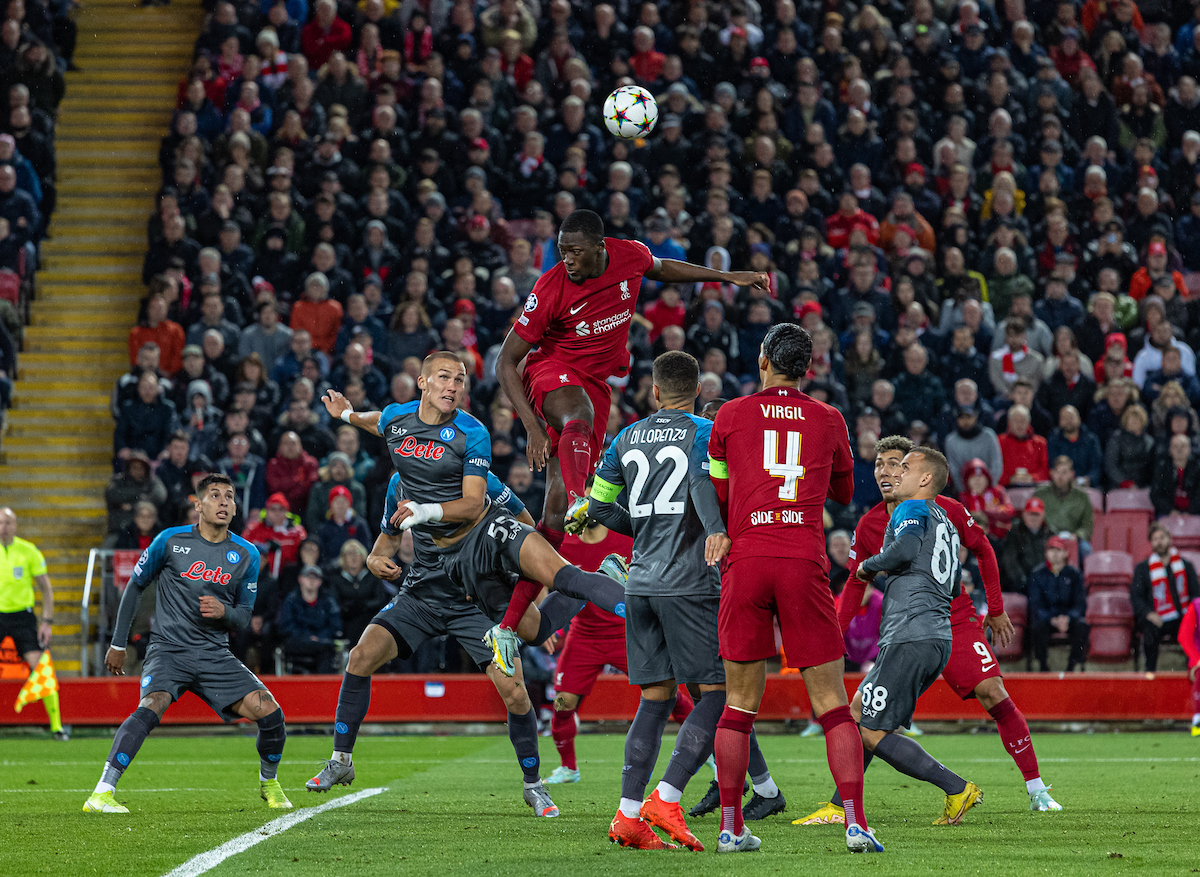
<point>574,311</point>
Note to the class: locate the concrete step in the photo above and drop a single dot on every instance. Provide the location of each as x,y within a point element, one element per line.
<point>58,400</point>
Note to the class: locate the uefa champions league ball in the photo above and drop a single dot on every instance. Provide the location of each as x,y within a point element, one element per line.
<point>630,112</point>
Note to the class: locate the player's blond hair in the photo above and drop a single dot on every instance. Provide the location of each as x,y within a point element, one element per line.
<point>427,365</point>
<point>936,465</point>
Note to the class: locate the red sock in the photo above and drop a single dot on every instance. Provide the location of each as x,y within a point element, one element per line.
<point>575,456</point>
<point>554,537</point>
<point>683,705</point>
<point>523,595</point>
<point>844,749</point>
<point>564,726</point>
<point>1014,731</point>
<point>732,751</point>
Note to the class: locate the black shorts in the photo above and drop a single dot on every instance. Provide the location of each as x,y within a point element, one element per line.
<point>411,621</point>
<point>486,563</point>
<point>22,627</point>
<point>673,638</point>
<point>214,675</point>
<point>901,674</point>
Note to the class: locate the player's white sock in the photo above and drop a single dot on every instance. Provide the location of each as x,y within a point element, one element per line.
<point>631,808</point>
<point>343,757</point>
<point>767,788</point>
<point>263,779</point>
<point>669,793</point>
<point>529,785</point>
<point>102,787</point>
<point>1034,785</point>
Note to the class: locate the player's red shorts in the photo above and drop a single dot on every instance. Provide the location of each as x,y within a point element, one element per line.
<point>971,659</point>
<point>756,590</point>
<point>583,659</point>
<point>544,376</point>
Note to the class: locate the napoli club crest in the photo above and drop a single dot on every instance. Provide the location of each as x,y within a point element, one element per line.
<point>447,434</point>
<point>233,557</point>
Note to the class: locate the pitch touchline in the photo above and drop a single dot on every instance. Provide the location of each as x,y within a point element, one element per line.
<point>207,861</point>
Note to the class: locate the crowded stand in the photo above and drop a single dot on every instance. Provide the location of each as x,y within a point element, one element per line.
<point>37,41</point>
<point>986,216</point>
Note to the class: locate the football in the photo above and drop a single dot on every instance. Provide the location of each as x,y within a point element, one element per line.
<point>630,112</point>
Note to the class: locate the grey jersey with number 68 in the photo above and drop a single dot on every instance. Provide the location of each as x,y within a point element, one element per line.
<point>920,557</point>
<point>662,463</point>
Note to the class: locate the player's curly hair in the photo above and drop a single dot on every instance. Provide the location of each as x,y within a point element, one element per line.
<point>585,222</point>
<point>788,348</point>
<point>901,443</point>
<point>676,374</point>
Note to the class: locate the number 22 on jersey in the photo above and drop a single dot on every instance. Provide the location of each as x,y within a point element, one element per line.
<point>789,469</point>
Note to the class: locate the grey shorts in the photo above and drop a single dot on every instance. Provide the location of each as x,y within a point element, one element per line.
<point>412,621</point>
<point>486,563</point>
<point>213,675</point>
<point>901,674</point>
<point>673,638</point>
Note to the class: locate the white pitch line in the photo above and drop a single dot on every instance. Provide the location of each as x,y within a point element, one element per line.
<point>208,860</point>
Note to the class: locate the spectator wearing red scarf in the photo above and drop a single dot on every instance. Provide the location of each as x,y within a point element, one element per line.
<point>646,63</point>
<point>849,214</point>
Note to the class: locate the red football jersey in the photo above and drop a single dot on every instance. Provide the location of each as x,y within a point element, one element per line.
<point>779,450</point>
<point>587,324</point>
<point>593,621</point>
<point>868,541</point>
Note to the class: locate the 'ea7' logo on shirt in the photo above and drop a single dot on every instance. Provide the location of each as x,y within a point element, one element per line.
<point>181,549</point>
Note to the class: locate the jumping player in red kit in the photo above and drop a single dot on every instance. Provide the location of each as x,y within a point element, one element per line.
<point>972,670</point>
<point>774,457</point>
<point>596,639</point>
<point>578,317</point>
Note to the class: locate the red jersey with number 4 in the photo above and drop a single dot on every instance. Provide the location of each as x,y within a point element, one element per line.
<point>868,541</point>
<point>773,457</point>
<point>587,324</point>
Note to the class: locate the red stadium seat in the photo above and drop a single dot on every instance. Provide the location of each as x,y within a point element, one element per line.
<point>1193,556</point>
<point>1110,614</point>
<point>10,286</point>
<point>1184,530</point>
<point>1123,531</point>
<point>1127,499</point>
<point>1097,497</point>
<point>1105,570</point>
<point>1072,550</point>
<point>1017,607</point>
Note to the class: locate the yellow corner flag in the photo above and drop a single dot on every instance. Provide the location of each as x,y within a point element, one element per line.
<point>41,684</point>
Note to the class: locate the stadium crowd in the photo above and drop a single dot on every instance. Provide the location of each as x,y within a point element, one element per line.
<point>37,41</point>
<point>987,216</point>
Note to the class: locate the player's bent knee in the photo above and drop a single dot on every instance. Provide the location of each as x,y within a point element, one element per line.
<point>157,701</point>
<point>565,702</point>
<point>990,692</point>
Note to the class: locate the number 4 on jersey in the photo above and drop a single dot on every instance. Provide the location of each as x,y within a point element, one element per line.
<point>789,469</point>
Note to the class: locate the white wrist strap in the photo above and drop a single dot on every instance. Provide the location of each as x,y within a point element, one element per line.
<point>117,648</point>
<point>345,415</point>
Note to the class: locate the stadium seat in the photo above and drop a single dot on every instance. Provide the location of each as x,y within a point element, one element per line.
<point>1017,607</point>
<point>1072,550</point>
<point>1110,615</point>
<point>1097,497</point>
<point>1108,570</point>
<point>1193,556</point>
<point>1184,530</point>
<point>1124,499</point>
<point>10,286</point>
<point>1018,496</point>
<point>1123,530</point>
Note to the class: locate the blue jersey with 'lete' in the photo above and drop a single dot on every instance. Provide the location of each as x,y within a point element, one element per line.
<point>432,459</point>
<point>188,567</point>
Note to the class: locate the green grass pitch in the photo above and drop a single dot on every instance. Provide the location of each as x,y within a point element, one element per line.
<point>452,806</point>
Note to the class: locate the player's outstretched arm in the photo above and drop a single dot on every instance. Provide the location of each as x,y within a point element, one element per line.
<point>148,567</point>
<point>674,271</point>
<point>339,408</point>
<point>903,549</point>
<point>515,349</point>
<point>458,511</point>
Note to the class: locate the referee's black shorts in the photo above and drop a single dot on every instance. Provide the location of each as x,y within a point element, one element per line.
<point>22,627</point>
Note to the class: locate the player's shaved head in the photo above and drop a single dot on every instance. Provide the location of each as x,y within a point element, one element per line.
<point>584,222</point>
<point>788,348</point>
<point>901,443</point>
<point>677,376</point>
<point>432,360</point>
<point>933,462</point>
